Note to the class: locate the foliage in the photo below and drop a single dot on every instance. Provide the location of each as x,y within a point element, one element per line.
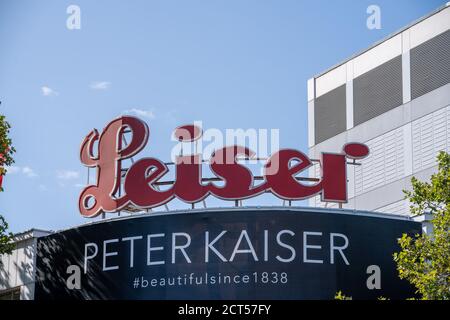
<point>6,152</point>
<point>6,246</point>
<point>425,259</point>
<point>340,296</point>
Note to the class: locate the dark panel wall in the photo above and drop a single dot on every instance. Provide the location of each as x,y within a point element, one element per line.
<point>377,91</point>
<point>159,271</point>
<point>329,114</point>
<point>430,65</point>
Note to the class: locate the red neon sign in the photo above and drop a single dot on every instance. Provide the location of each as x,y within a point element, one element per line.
<point>238,181</point>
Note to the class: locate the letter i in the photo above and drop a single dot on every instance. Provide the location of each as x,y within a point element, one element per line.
<point>266,245</point>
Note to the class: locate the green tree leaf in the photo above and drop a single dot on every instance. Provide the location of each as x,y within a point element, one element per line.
<point>6,159</point>
<point>424,260</point>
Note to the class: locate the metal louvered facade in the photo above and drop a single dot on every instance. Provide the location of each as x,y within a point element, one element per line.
<point>397,103</point>
<point>430,134</point>
<point>378,91</point>
<point>430,65</point>
<point>330,114</point>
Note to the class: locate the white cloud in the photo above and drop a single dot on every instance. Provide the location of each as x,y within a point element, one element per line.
<point>29,172</point>
<point>42,187</point>
<point>141,113</point>
<point>67,174</point>
<point>100,85</point>
<point>47,91</point>
<point>79,185</point>
<point>12,170</point>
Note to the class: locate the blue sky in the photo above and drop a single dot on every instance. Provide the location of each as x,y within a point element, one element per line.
<point>231,64</point>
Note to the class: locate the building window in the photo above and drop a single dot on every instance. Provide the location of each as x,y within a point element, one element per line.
<point>13,294</point>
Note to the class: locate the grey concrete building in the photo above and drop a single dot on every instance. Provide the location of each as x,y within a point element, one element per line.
<point>394,97</point>
<point>18,269</point>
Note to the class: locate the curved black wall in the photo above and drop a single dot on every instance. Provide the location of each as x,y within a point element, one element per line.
<point>268,262</point>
